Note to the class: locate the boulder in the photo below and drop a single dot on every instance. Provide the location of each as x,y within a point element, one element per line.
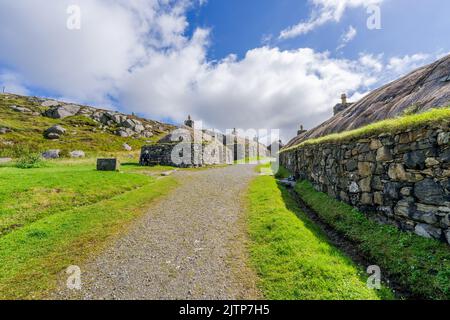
<point>77,154</point>
<point>20,109</point>
<point>50,103</point>
<point>125,132</point>
<point>127,147</point>
<point>62,112</point>
<point>54,132</point>
<point>4,130</point>
<point>430,192</point>
<point>51,154</point>
<point>427,231</point>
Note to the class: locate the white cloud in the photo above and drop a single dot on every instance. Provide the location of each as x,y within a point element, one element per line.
<point>136,54</point>
<point>347,37</point>
<point>402,65</point>
<point>325,11</point>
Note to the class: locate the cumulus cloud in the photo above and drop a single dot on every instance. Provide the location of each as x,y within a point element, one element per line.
<point>401,65</point>
<point>324,11</point>
<point>135,55</point>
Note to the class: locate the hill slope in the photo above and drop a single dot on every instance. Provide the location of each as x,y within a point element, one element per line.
<point>420,90</point>
<point>24,121</point>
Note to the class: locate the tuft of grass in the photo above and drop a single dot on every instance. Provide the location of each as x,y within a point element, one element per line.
<point>418,264</point>
<point>412,121</point>
<point>292,257</point>
<point>29,160</point>
<point>59,216</point>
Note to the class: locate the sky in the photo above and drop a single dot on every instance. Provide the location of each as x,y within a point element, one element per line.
<point>250,64</point>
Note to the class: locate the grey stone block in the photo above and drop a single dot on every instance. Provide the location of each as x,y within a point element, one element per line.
<point>108,164</point>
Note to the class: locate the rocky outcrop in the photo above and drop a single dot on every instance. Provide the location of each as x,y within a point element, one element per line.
<point>51,154</point>
<point>399,178</point>
<point>54,133</point>
<point>61,112</point>
<point>77,154</point>
<point>425,88</point>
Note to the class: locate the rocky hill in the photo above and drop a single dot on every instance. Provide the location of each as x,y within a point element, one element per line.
<point>38,125</point>
<point>425,88</point>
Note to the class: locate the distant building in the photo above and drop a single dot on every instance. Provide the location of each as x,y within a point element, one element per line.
<point>187,147</point>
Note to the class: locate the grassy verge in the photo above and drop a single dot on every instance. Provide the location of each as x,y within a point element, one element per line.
<point>420,265</point>
<point>292,256</point>
<point>85,210</point>
<point>434,116</point>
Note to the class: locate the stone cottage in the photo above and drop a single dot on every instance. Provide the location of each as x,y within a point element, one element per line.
<point>188,147</point>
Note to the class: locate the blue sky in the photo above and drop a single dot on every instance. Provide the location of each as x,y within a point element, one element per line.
<point>231,63</point>
<point>408,26</point>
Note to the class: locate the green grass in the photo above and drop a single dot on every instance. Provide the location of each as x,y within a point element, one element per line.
<point>292,256</point>
<point>418,264</point>
<point>434,116</point>
<point>27,133</point>
<point>60,215</point>
<point>283,173</point>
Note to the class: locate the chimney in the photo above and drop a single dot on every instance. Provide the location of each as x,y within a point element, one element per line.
<point>302,130</point>
<point>344,98</point>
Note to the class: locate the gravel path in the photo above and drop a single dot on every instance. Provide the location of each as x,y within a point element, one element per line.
<point>190,245</point>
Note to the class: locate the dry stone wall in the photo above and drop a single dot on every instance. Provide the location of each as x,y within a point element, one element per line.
<point>401,179</point>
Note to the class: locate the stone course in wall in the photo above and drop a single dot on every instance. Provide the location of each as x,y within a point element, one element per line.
<point>401,179</point>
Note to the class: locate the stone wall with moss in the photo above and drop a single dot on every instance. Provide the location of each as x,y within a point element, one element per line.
<point>398,178</point>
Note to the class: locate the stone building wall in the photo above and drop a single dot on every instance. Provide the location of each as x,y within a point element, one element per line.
<point>401,179</point>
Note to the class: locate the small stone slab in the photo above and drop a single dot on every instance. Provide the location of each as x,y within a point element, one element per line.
<point>108,164</point>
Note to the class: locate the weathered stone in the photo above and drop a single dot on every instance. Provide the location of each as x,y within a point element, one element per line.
<point>429,191</point>
<point>352,165</point>
<point>365,184</point>
<point>51,154</point>
<point>415,160</point>
<point>404,207</point>
<point>52,136</point>
<point>377,184</point>
<point>391,190</point>
<point>378,198</point>
<point>77,154</point>
<point>20,109</point>
<point>443,138</point>
<point>427,217</point>
<point>127,147</point>
<point>447,236</point>
<point>50,103</point>
<point>403,138</point>
<point>428,231</point>
<point>108,164</point>
<point>375,144</point>
<point>56,129</point>
<point>5,130</point>
<point>431,162</point>
<point>344,197</point>
<point>367,199</point>
<point>62,112</point>
<point>397,172</point>
<point>365,168</point>
<point>353,188</point>
<point>384,154</point>
<point>445,156</point>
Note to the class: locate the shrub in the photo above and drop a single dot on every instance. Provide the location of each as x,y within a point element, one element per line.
<point>29,160</point>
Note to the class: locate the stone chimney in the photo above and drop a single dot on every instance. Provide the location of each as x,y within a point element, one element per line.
<point>341,106</point>
<point>189,122</point>
<point>302,130</point>
<point>344,98</point>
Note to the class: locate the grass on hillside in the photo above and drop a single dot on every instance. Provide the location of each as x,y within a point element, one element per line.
<point>434,116</point>
<point>27,133</point>
<point>292,256</point>
<point>421,265</point>
<point>58,216</point>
